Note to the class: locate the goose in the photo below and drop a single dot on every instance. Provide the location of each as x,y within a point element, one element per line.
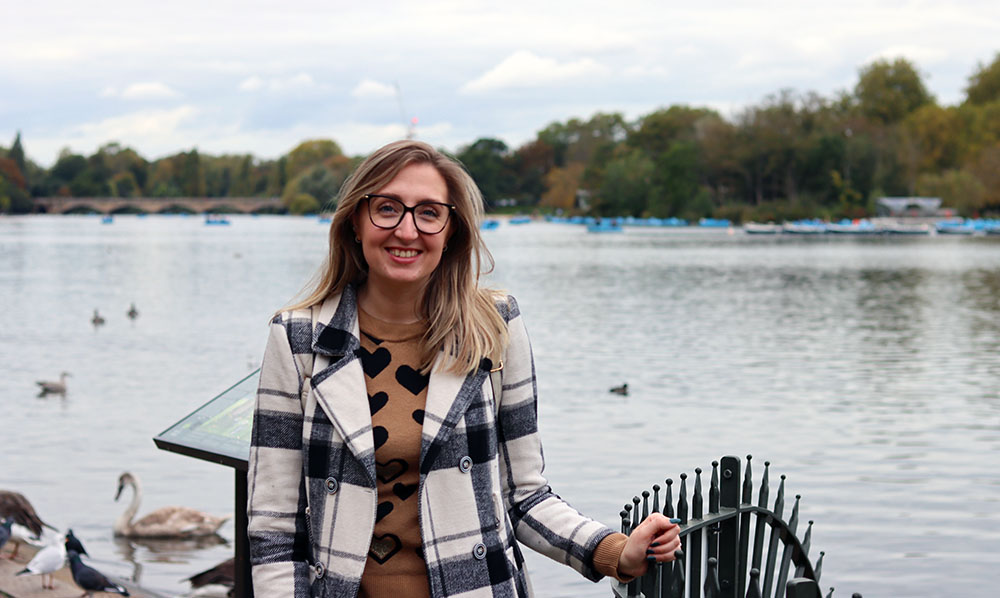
<point>97,320</point>
<point>620,390</point>
<point>16,507</point>
<point>50,387</point>
<point>89,579</point>
<point>166,522</point>
<point>132,312</point>
<point>46,561</point>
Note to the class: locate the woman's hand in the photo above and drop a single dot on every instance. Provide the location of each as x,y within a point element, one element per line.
<point>654,540</point>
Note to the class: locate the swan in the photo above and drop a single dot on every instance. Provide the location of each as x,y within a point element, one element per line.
<point>50,387</point>
<point>166,522</point>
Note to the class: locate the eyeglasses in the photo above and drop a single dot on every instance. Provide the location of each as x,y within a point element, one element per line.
<point>430,217</point>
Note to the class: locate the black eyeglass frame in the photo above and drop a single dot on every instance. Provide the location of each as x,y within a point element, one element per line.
<point>408,209</point>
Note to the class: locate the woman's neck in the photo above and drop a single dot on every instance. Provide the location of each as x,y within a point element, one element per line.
<point>389,303</point>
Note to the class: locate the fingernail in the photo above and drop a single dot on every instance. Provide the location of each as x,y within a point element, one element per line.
<point>655,544</point>
<point>651,559</point>
<point>649,551</point>
<point>674,520</point>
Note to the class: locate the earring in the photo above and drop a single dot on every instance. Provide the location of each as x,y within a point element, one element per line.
<point>357,239</point>
<point>445,248</point>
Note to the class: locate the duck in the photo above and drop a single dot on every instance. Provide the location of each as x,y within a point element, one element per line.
<point>25,523</point>
<point>132,312</point>
<point>50,387</point>
<point>165,522</point>
<point>620,390</point>
<point>46,561</point>
<point>97,320</point>
<point>89,579</point>
<point>223,574</point>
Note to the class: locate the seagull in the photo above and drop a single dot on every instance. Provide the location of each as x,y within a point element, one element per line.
<point>91,580</point>
<point>46,562</point>
<point>620,390</point>
<point>132,313</point>
<point>50,387</point>
<point>16,507</point>
<point>97,320</point>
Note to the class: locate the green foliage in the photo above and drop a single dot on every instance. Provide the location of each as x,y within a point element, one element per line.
<point>317,182</point>
<point>487,160</point>
<point>303,203</point>
<point>310,153</point>
<point>984,84</point>
<point>888,91</point>
<point>956,188</point>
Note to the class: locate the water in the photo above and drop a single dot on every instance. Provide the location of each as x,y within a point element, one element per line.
<point>864,369</point>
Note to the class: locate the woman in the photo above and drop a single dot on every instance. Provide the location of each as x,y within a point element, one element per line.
<point>381,462</point>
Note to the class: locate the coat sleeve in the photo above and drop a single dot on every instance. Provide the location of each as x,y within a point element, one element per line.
<point>279,540</point>
<point>541,519</point>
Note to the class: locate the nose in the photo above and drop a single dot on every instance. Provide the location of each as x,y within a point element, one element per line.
<point>407,229</point>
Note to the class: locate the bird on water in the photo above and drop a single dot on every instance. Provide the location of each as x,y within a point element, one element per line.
<point>165,522</point>
<point>97,320</point>
<point>132,312</point>
<point>620,390</point>
<point>91,580</point>
<point>52,387</point>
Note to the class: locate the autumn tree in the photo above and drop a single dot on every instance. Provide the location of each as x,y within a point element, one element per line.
<point>984,84</point>
<point>888,91</point>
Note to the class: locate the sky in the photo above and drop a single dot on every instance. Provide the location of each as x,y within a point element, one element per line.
<point>257,77</point>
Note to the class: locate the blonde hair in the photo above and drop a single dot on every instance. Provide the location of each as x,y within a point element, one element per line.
<point>463,320</point>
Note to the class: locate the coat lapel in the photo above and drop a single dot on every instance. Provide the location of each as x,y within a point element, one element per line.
<point>448,397</point>
<point>338,379</point>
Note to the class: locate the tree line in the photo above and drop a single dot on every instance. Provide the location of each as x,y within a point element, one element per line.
<point>793,155</point>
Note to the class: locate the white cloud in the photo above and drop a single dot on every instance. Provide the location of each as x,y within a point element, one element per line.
<point>153,90</point>
<point>369,89</point>
<point>159,128</point>
<point>525,69</point>
<point>278,84</point>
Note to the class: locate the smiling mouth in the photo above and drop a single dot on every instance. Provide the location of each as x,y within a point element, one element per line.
<point>404,252</point>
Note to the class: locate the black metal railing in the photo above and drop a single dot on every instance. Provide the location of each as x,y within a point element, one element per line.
<point>717,545</point>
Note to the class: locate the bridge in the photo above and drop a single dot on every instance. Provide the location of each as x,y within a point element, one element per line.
<point>156,205</point>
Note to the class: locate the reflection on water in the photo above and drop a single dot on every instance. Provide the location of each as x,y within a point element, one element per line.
<point>864,369</point>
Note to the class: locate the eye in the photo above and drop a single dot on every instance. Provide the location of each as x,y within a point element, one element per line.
<point>388,207</point>
<point>430,211</point>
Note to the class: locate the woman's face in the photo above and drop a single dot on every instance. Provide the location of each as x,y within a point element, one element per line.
<point>403,255</point>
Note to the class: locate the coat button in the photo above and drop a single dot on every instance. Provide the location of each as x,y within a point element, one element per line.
<point>332,485</point>
<point>496,522</point>
<point>308,511</point>
<point>320,571</point>
<point>465,464</point>
<point>479,551</point>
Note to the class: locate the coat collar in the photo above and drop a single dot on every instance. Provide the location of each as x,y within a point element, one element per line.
<point>339,383</point>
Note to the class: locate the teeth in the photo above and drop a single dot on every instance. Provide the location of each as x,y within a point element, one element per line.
<point>403,252</point>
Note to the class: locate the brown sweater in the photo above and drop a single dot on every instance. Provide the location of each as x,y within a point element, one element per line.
<point>397,393</point>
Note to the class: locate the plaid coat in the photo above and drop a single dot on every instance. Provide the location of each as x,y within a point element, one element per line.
<point>312,498</point>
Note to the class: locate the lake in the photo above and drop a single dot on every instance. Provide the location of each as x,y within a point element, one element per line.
<point>865,369</point>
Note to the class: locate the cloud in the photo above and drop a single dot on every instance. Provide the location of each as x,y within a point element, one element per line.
<point>278,84</point>
<point>145,128</point>
<point>369,89</point>
<point>152,90</point>
<point>524,69</point>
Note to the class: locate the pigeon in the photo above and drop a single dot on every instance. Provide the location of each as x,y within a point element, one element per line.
<point>91,580</point>
<point>5,530</point>
<point>73,543</point>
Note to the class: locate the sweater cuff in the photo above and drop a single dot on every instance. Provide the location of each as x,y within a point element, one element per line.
<point>607,554</point>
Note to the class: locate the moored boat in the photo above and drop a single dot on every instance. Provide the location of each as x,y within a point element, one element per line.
<point>761,228</point>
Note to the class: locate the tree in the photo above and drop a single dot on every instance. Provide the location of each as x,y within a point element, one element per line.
<point>317,182</point>
<point>192,177</point>
<point>487,161</point>
<point>956,188</point>
<point>627,185</point>
<point>310,153</point>
<point>887,92</point>
<point>984,84</point>
<point>16,154</point>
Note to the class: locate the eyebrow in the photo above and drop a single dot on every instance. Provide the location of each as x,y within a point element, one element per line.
<point>400,199</point>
